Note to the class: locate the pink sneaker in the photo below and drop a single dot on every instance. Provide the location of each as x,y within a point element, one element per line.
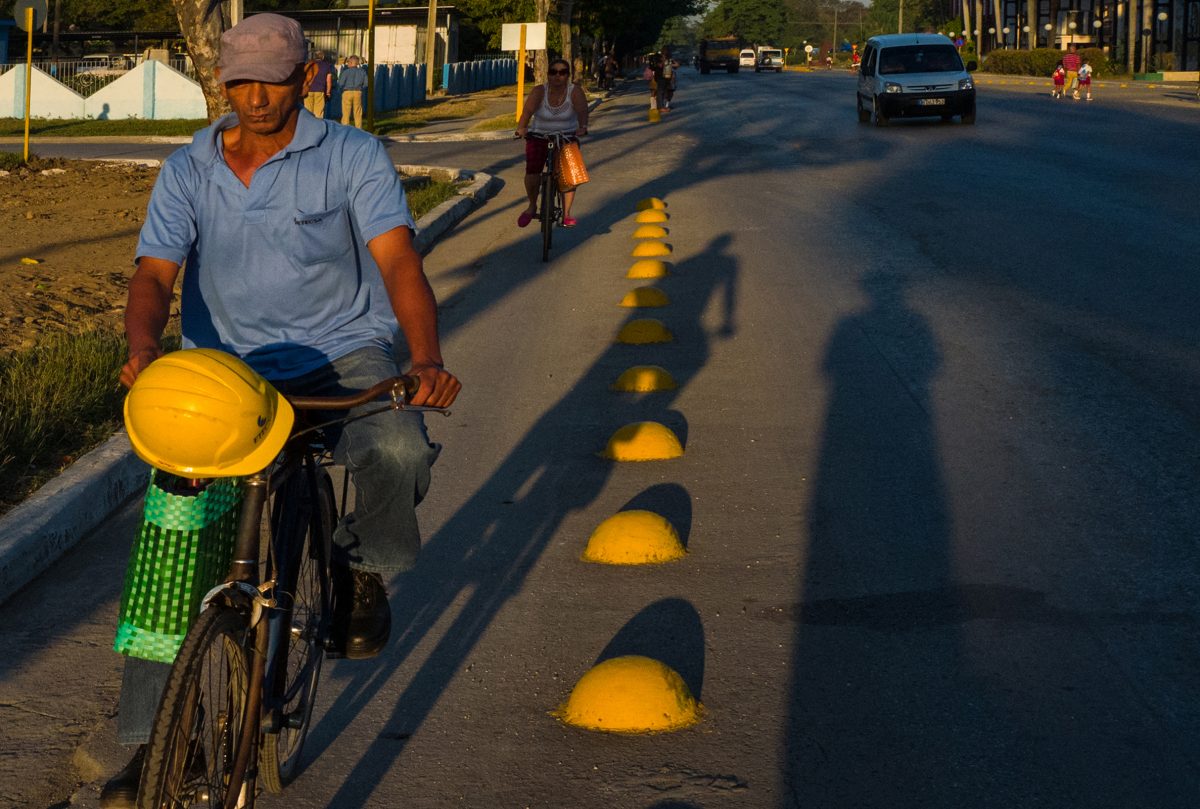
<point>524,219</point>
<point>570,221</point>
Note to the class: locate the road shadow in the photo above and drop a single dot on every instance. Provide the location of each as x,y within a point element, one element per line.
<point>478,561</point>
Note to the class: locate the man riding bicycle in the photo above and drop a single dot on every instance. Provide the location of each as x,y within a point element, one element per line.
<point>297,239</point>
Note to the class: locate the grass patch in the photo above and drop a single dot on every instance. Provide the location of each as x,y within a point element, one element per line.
<point>444,108</point>
<point>125,127</point>
<point>58,400</point>
<point>424,199</point>
<point>499,122</point>
<point>12,161</point>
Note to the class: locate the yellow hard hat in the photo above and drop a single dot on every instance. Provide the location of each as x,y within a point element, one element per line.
<point>204,413</point>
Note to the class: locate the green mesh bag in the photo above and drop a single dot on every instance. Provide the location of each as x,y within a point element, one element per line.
<point>183,549</point>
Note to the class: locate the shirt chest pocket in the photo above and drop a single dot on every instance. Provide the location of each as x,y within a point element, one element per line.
<point>318,238</point>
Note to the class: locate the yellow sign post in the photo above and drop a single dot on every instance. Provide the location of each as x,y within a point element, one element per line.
<point>521,73</point>
<point>28,73</point>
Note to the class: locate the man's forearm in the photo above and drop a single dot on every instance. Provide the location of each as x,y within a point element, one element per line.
<point>146,312</point>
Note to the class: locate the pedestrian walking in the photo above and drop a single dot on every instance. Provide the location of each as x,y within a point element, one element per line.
<point>352,82</point>
<point>1085,80</point>
<point>1070,62</point>
<point>669,68</point>
<point>320,88</point>
<point>1060,79</point>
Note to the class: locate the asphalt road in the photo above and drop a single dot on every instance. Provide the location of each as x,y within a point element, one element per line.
<point>940,396</point>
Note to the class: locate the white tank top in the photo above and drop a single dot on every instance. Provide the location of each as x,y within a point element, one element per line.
<point>555,119</point>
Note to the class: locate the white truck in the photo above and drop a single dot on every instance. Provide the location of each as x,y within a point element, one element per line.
<point>769,58</point>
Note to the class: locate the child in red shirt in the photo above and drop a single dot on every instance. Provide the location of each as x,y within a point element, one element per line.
<point>1060,80</point>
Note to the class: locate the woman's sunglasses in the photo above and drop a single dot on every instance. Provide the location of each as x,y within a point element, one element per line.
<point>560,72</point>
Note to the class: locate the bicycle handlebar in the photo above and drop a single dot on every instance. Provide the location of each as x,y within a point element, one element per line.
<point>399,388</point>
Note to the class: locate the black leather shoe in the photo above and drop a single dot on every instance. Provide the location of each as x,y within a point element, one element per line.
<point>121,790</point>
<point>362,619</point>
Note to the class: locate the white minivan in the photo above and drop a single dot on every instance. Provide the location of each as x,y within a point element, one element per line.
<point>746,58</point>
<point>914,75</point>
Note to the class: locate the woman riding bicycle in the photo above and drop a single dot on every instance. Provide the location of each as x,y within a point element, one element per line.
<point>556,107</point>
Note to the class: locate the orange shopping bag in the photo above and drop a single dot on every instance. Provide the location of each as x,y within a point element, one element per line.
<point>571,171</point>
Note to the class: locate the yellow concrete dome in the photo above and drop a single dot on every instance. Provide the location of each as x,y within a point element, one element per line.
<point>643,441</point>
<point>634,538</point>
<point>631,694</point>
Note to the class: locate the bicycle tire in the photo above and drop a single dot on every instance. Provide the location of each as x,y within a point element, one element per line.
<point>193,743</point>
<point>306,577</point>
<point>547,214</point>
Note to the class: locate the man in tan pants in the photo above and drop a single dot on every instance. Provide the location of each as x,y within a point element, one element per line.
<point>352,81</point>
<point>320,87</point>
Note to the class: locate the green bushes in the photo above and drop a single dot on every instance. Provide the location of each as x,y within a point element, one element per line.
<point>1041,62</point>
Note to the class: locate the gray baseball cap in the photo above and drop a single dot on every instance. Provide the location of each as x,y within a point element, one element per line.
<point>263,47</point>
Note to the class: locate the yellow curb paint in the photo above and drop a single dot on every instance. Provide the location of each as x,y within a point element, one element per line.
<point>1124,86</point>
<point>643,331</point>
<point>648,268</point>
<point>634,538</point>
<point>651,204</point>
<point>644,379</point>
<point>631,694</point>
<point>651,249</point>
<point>643,441</point>
<point>650,232</point>
<point>648,297</point>
<point>652,217</point>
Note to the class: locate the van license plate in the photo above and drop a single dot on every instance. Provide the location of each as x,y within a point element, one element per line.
<point>931,102</point>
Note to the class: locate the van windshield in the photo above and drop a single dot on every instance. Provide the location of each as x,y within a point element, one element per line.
<point>919,59</point>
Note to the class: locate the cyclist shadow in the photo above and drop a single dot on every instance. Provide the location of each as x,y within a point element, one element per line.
<point>480,558</point>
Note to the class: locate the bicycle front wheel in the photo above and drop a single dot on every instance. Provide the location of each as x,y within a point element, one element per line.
<point>302,546</point>
<point>549,196</point>
<point>193,745</point>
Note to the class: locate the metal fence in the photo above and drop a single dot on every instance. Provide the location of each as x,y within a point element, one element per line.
<point>86,76</point>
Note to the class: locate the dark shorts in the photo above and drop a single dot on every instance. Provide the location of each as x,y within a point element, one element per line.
<point>535,155</point>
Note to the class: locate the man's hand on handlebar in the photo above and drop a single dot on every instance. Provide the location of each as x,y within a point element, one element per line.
<point>580,131</point>
<point>439,387</point>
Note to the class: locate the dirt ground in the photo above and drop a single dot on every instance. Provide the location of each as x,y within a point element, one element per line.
<point>80,221</point>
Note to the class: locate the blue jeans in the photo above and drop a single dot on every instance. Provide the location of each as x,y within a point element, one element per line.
<point>388,456</point>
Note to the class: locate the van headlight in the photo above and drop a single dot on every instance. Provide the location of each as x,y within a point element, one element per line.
<point>892,87</point>
<point>966,84</point>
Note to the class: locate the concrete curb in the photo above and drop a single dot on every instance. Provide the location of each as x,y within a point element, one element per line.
<point>36,533</point>
<point>57,516</point>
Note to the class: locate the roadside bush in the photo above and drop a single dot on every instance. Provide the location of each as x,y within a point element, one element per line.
<point>1041,62</point>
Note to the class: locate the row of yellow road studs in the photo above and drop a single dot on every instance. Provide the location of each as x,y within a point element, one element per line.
<point>637,694</point>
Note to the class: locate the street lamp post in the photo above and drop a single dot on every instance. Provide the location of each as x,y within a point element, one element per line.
<point>1071,25</point>
<point>1098,24</point>
<point>992,34</point>
<point>1028,41</point>
<point>1006,30</point>
<point>1162,19</point>
<point>1049,39</point>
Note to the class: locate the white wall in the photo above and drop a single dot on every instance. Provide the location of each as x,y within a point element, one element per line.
<point>48,98</point>
<point>151,90</point>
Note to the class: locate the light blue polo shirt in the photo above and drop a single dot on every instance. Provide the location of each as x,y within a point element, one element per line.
<point>279,273</point>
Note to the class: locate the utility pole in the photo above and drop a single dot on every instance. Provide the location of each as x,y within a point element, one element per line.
<point>900,19</point>
<point>430,46</point>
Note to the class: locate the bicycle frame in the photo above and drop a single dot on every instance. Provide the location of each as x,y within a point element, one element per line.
<point>243,589</point>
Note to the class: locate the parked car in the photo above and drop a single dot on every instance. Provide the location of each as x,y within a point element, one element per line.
<point>769,59</point>
<point>911,75</point>
<point>103,64</point>
<point>746,58</point>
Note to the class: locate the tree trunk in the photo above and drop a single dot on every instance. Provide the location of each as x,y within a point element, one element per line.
<point>540,60</point>
<point>203,39</point>
<point>565,7</point>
